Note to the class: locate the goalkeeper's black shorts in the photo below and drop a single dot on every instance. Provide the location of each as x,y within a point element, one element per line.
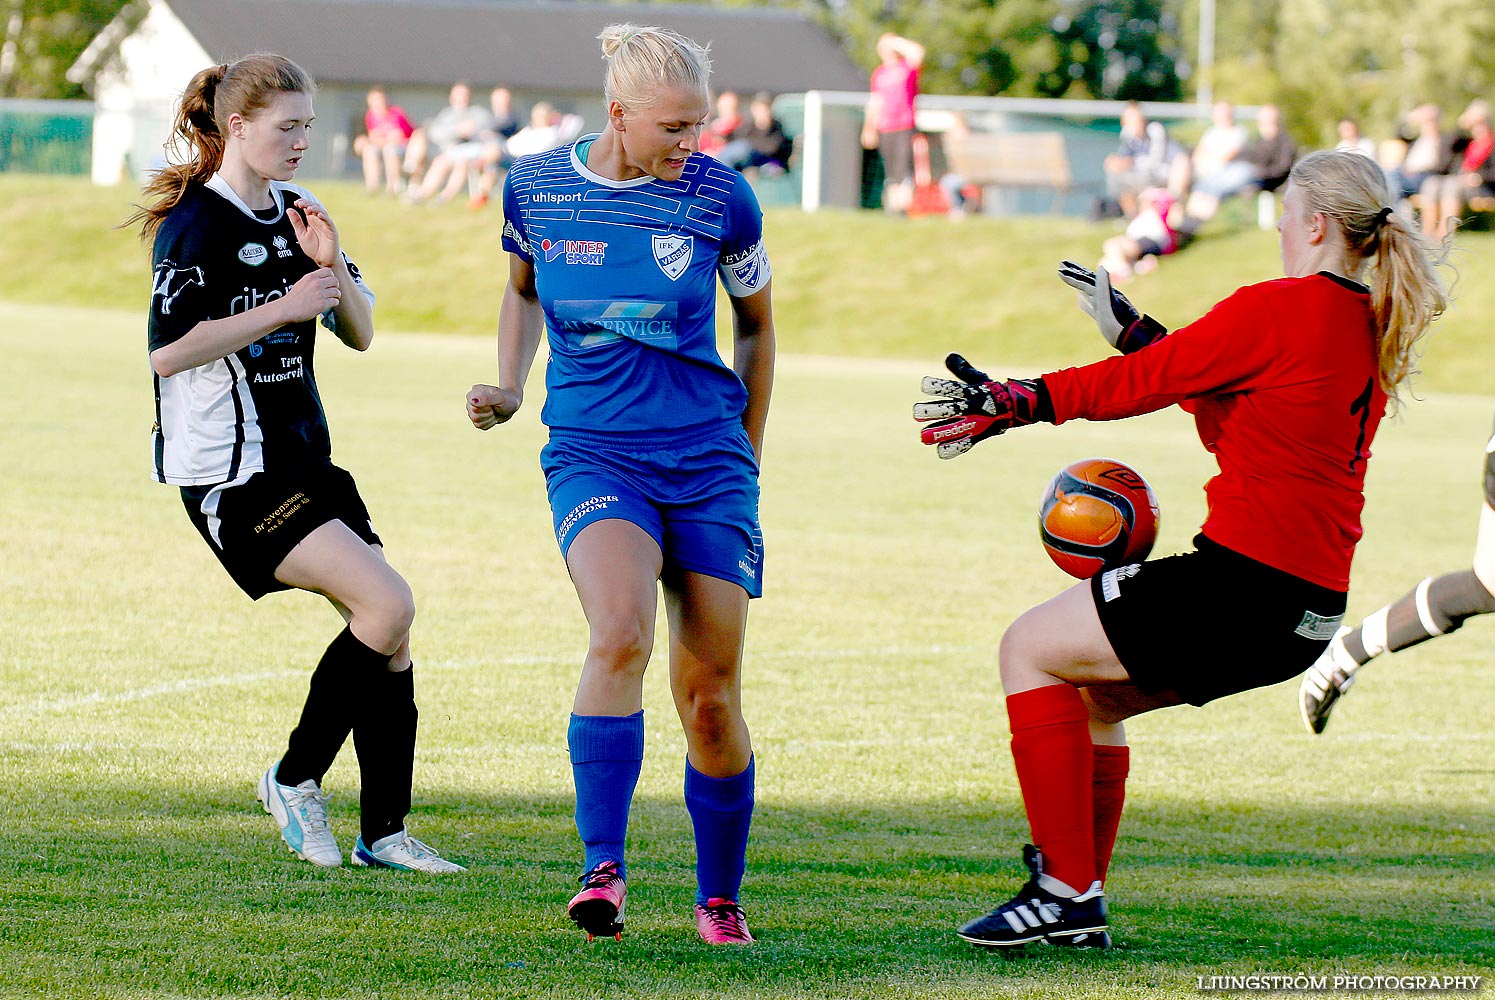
<point>1213,622</point>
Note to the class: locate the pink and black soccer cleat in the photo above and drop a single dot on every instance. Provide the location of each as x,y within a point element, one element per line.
<point>598,908</point>
<point>721,921</point>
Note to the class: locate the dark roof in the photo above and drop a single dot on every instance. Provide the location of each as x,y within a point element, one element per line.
<point>545,44</point>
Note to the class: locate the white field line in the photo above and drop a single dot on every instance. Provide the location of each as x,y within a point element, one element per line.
<point>26,709</point>
<point>31,709</point>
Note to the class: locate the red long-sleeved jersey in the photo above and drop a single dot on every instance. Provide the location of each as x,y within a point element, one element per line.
<point>1281,378</point>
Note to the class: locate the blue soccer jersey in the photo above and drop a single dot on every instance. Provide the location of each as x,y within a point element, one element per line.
<point>626,273</point>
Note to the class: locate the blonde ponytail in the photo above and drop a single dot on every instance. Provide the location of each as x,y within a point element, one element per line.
<point>1406,293</point>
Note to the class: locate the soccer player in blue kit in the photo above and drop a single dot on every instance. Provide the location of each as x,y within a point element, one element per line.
<point>615,245</point>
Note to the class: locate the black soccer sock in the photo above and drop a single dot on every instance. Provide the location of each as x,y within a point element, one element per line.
<point>384,736</point>
<point>329,712</point>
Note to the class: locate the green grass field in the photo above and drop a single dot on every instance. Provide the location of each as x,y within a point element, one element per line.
<point>141,694</point>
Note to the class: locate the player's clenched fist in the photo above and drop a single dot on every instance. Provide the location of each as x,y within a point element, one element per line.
<point>313,295</point>
<point>488,405</point>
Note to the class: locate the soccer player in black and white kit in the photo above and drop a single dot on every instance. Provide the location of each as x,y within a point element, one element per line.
<point>245,263</point>
<point>1436,606</point>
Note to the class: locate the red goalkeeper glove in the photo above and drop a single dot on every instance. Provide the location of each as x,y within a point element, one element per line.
<point>975,408</point>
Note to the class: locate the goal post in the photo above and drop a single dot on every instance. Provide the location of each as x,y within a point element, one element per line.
<point>832,161</point>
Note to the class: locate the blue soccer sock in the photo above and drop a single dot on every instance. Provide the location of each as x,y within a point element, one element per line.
<point>721,810</point>
<point>607,753</point>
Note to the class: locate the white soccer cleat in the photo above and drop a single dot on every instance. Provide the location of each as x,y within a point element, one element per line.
<point>404,853</point>
<point>301,814</point>
<point>1325,682</point>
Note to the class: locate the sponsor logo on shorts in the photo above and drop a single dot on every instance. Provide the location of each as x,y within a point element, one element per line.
<point>253,254</point>
<point>1110,581</point>
<point>588,506</point>
<point>281,514</point>
<point>750,560</point>
<point>1318,626</point>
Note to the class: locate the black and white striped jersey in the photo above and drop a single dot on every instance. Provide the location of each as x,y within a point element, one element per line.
<point>258,408</point>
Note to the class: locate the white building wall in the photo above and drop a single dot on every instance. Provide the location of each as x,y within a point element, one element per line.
<point>135,98</point>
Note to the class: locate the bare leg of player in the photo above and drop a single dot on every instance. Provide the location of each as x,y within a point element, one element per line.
<point>615,567</point>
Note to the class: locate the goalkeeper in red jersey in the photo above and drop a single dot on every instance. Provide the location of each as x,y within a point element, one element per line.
<point>1287,381</point>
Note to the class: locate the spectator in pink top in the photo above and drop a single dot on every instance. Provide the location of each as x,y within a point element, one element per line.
<point>382,145</point>
<point>724,124</point>
<point>889,125</point>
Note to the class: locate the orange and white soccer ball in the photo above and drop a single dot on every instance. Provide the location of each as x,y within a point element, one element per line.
<point>1097,514</point>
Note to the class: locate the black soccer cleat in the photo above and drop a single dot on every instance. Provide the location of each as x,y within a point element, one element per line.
<point>1035,914</point>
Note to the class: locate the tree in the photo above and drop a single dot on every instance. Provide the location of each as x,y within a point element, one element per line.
<point>1371,60</point>
<point>974,46</point>
<point>1023,48</point>
<point>42,38</point>
<point>1121,50</point>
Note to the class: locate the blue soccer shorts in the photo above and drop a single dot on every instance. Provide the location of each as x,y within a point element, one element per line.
<point>696,494</point>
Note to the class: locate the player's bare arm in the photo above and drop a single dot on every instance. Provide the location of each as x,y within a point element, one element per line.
<point>753,359</point>
<point>213,339</point>
<point>353,315</point>
<point>521,323</point>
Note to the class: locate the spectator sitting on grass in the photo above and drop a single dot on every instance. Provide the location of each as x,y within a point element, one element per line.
<point>723,126</point>
<point>760,144</point>
<point>1146,158</point>
<point>495,158</point>
<point>1262,165</point>
<point>547,129</point>
<point>454,135</point>
<point>1427,149</point>
<point>1221,143</point>
<point>1351,139</point>
<point>382,146</point>
<point>1468,172</point>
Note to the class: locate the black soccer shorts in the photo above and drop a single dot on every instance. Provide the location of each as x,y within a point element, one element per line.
<point>1212,622</point>
<point>251,527</point>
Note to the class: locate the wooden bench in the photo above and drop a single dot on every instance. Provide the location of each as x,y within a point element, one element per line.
<point>1012,160</point>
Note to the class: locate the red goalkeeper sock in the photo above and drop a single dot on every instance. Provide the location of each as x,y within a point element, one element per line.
<point>1051,749</point>
<point>1108,795</point>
